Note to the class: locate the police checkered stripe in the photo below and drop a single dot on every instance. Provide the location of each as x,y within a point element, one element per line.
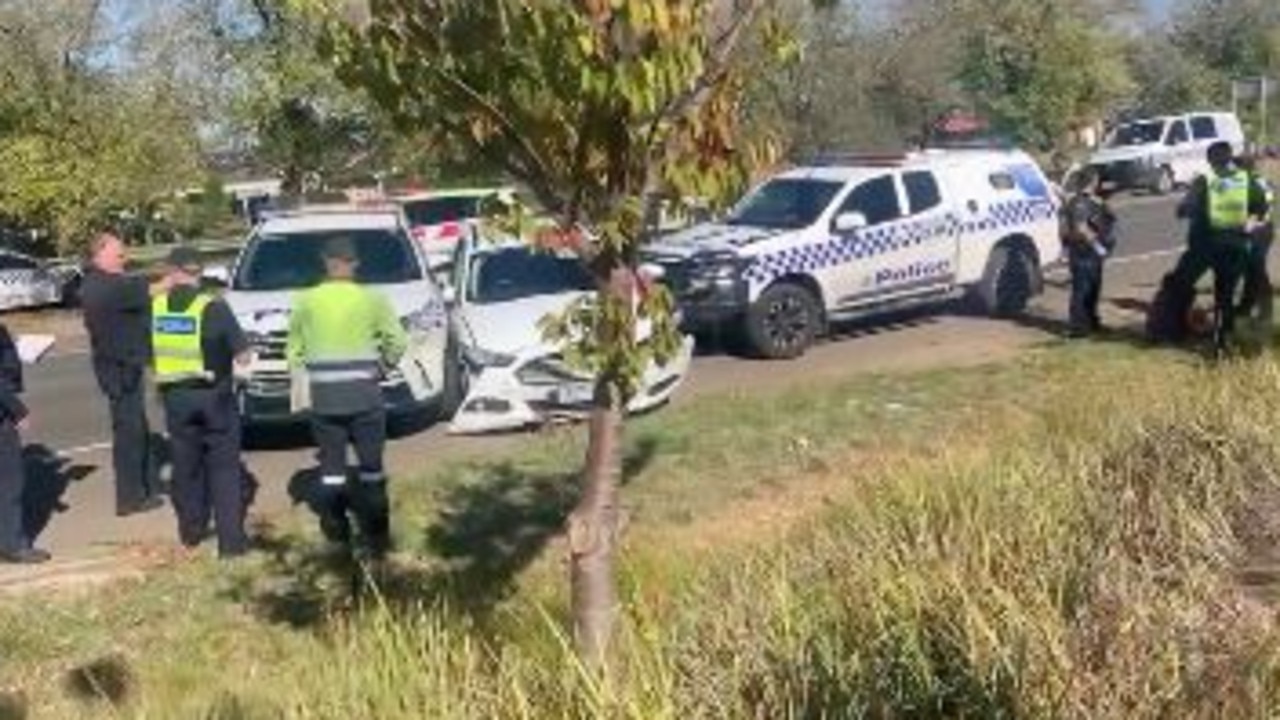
<point>893,237</point>
<point>866,244</point>
<point>17,277</point>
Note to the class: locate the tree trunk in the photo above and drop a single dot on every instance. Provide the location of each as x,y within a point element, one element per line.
<point>593,531</point>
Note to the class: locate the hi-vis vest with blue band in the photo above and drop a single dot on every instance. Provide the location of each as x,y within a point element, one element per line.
<point>1229,201</point>
<point>175,341</point>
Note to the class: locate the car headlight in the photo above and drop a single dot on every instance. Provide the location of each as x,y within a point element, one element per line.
<point>719,269</point>
<point>479,358</point>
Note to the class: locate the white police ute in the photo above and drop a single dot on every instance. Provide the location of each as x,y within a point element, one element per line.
<point>860,235</point>
<point>283,257</point>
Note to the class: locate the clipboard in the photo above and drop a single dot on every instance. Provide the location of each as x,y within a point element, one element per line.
<point>33,348</point>
<point>299,391</point>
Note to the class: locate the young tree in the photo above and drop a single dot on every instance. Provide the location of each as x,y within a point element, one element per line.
<point>599,107</point>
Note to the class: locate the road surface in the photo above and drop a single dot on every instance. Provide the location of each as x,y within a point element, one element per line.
<point>71,420</point>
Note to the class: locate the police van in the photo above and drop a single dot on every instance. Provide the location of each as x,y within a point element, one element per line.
<point>283,257</point>
<point>858,235</point>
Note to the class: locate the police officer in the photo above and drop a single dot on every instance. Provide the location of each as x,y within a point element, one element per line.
<point>1089,236</point>
<point>195,341</point>
<point>345,336</point>
<point>1226,206</point>
<point>1257,282</point>
<point>15,545</point>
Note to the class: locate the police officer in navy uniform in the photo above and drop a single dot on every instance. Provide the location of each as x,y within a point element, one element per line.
<point>196,340</point>
<point>15,545</point>
<point>1089,236</point>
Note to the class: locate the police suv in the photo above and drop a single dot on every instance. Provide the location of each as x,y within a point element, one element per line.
<point>858,235</point>
<point>282,257</point>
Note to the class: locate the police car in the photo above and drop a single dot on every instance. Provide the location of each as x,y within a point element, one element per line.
<point>437,219</point>
<point>26,282</point>
<point>282,257</point>
<point>858,235</point>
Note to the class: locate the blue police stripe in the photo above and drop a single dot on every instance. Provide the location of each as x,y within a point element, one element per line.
<point>893,237</point>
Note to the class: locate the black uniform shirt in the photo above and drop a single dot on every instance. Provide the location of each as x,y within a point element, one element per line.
<point>11,407</point>
<point>221,337</point>
<point>1093,212</point>
<point>117,314</point>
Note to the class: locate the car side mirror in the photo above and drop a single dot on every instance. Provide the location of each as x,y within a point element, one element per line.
<point>653,271</point>
<point>450,294</point>
<point>849,222</point>
<point>218,275</point>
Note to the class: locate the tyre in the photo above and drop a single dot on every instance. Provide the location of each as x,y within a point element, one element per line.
<point>1164,182</point>
<point>783,322</point>
<point>1008,282</point>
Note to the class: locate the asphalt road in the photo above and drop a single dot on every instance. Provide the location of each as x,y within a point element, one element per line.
<point>71,418</point>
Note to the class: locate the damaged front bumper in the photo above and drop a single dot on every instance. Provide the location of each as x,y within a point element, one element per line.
<point>539,388</point>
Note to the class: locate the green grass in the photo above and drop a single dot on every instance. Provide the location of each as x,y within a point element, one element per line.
<point>1062,536</point>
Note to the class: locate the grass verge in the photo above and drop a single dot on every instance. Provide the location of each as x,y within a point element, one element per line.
<point>1085,533</point>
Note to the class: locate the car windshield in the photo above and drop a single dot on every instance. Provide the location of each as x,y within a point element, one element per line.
<point>515,273</point>
<point>785,204</point>
<point>1140,133</point>
<point>291,261</point>
<point>435,211</point>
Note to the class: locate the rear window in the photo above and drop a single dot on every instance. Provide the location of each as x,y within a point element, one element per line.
<point>292,261</point>
<point>1204,128</point>
<point>922,191</point>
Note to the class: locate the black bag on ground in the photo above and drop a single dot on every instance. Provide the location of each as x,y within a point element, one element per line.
<point>1170,310</point>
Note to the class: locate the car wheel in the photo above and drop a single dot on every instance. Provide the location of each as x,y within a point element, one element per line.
<point>1008,282</point>
<point>783,322</point>
<point>1164,182</point>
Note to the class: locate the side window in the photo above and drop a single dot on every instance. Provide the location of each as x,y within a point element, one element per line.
<point>1177,134</point>
<point>922,191</point>
<point>1001,180</point>
<point>13,262</point>
<point>876,199</point>
<point>1203,128</point>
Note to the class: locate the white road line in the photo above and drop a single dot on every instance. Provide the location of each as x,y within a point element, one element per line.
<point>1143,257</point>
<point>84,449</point>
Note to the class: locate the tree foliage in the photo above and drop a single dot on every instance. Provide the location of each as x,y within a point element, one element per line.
<point>1040,69</point>
<point>79,141</point>
<point>600,108</point>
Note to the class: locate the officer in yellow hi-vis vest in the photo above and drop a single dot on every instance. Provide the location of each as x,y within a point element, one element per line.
<point>195,341</point>
<point>345,336</point>
<point>1229,205</point>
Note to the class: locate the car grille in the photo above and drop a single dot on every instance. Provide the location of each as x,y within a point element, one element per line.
<point>270,346</point>
<point>677,272</point>
<point>549,370</point>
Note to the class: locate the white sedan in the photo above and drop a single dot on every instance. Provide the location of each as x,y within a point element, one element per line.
<point>514,378</point>
<point>26,282</point>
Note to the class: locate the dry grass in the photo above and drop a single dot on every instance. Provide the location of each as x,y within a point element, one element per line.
<point>1063,537</point>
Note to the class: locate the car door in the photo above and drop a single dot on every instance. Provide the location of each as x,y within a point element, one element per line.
<point>873,247</point>
<point>1204,132</point>
<point>24,283</point>
<point>1181,151</point>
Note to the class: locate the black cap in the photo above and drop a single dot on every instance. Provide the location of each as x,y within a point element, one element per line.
<point>339,248</point>
<point>185,257</point>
